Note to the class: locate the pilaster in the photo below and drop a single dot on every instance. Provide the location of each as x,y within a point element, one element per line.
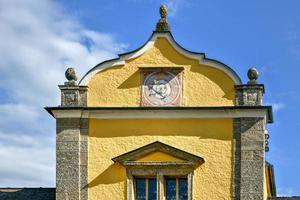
<point>68,159</point>
<point>249,148</point>
<point>71,158</point>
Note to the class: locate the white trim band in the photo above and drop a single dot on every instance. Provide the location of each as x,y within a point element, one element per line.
<point>160,114</point>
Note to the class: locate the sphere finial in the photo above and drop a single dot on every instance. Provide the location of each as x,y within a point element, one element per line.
<point>252,75</point>
<point>71,74</point>
<point>163,10</point>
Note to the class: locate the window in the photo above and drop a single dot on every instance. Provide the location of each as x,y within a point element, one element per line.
<point>159,180</point>
<point>176,189</point>
<point>145,189</point>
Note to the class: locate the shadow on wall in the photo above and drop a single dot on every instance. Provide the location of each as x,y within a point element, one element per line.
<point>113,174</point>
<point>132,82</point>
<point>27,193</point>
<point>170,55</point>
<point>217,76</point>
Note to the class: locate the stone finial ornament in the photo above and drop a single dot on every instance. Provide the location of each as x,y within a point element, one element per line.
<point>162,25</point>
<point>163,10</point>
<point>252,75</point>
<point>71,74</point>
<point>73,94</point>
<point>250,94</point>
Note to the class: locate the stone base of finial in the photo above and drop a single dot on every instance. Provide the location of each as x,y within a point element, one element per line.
<point>162,26</point>
<point>249,95</point>
<point>252,82</point>
<point>73,95</point>
<point>70,83</point>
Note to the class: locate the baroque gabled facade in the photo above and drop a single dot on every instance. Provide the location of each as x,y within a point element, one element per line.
<point>162,123</point>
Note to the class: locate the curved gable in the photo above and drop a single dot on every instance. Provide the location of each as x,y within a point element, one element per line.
<point>200,57</point>
<point>116,82</point>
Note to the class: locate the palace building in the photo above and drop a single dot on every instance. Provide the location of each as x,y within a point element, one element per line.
<point>162,123</point>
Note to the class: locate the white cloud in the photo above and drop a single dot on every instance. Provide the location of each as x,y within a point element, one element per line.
<point>173,6</point>
<point>38,41</point>
<point>278,106</point>
<point>26,160</point>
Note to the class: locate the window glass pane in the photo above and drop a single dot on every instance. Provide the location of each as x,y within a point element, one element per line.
<point>183,189</point>
<point>152,189</point>
<point>171,189</point>
<point>140,189</point>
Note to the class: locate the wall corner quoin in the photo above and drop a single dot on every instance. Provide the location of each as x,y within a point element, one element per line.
<point>249,158</point>
<point>71,158</point>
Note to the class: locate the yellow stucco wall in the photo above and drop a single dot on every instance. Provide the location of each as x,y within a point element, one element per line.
<point>120,85</point>
<point>208,138</point>
<point>158,156</point>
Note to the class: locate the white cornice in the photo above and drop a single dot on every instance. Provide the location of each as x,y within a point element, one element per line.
<point>160,114</point>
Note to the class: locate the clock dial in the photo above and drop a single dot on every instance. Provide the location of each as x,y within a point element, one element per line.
<point>161,87</point>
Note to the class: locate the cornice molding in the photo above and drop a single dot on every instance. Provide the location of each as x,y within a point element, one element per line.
<point>162,112</point>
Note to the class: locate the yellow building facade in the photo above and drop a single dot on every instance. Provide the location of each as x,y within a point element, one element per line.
<point>164,123</point>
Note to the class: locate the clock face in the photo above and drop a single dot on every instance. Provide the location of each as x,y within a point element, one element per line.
<point>161,87</point>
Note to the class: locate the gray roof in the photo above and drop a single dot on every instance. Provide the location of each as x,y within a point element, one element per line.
<point>285,198</point>
<point>49,194</point>
<point>27,193</point>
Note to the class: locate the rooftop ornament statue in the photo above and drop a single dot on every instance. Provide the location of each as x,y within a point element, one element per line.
<point>162,25</point>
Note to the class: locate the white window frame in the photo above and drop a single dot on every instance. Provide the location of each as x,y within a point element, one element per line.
<point>160,172</point>
<point>134,168</point>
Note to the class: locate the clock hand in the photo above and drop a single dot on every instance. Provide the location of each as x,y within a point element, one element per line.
<point>157,92</point>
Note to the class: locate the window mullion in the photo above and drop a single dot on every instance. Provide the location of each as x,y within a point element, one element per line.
<point>160,186</point>
<point>177,189</point>
<point>147,185</point>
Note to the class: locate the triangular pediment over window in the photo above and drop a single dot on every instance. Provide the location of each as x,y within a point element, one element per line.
<point>158,153</point>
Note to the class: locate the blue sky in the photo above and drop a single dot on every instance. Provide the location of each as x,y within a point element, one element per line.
<point>41,38</point>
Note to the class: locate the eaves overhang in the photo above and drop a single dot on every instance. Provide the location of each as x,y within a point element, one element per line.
<point>162,112</point>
